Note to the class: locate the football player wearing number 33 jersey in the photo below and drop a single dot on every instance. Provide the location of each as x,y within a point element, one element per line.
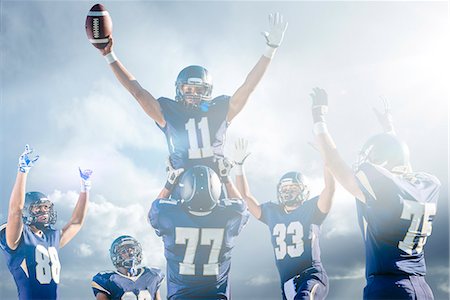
<point>28,239</point>
<point>395,206</point>
<point>195,123</point>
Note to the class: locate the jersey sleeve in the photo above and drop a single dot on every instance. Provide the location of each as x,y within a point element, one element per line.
<point>266,209</point>
<point>3,243</point>
<point>153,216</point>
<point>159,277</point>
<point>241,213</point>
<point>376,183</point>
<point>100,284</point>
<point>317,216</point>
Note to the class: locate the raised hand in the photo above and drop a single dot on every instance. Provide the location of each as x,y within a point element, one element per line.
<point>26,160</point>
<point>319,108</point>
<point>240,151</point>
<point>278,27</point>
<point>385,117</point>
<point>172,173</point>
<point>85,176</point>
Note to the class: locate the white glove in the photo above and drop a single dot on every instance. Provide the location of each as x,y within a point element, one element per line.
<point>26,161</point>
<point>85,179</point>
<point>172,173</point>
<point>276,32</point>
<point>385,117</point>
<point>240,151</point>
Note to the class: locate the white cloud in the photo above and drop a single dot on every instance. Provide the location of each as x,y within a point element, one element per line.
<point>84,250</point>
<point>260,280</point>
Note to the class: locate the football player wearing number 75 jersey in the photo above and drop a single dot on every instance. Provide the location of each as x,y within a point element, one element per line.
<point>294,225</point>
<point>199,233</point>
<point>28,239</point>
<point>395,206</point>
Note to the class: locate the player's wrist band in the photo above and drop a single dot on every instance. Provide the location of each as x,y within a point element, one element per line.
<point>239,169</point>
<point>110,57</point>
<point>23,170</point>
<point>85,186</point>
<point>319,128</point>
<point>269,52</point>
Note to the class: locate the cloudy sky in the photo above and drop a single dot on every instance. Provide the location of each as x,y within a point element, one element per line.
<point>58,95</point>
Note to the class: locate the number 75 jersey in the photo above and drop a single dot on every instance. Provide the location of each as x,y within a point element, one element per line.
<point>198,248</point>
<point>34,264</point>
<point>395,219</point>
<point>194,136</point>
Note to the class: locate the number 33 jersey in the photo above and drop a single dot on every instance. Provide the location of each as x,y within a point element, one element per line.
<point>121,287</point>
<point>34,264</point>
<point>198,248</point>
<point>295,237</point>
<point>194,136</point>
<point>395,219</point>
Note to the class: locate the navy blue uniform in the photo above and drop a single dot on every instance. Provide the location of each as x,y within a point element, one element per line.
<point>295,239</point>
<point>34,264</point>
<point>198,248</point>
<point>117,286</point>
<point>395,220</point>
<point>195,136</point>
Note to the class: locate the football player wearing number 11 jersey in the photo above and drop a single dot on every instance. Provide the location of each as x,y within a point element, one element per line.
<point>395,206</point>
<point>294,225</point>
<point>28,239</point>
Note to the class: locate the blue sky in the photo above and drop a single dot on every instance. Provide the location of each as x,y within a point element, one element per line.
<point>58,94</point>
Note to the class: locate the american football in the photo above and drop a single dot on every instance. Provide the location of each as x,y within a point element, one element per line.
<point>98,26</point>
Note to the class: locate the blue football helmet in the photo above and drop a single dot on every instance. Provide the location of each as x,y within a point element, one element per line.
<point>36,205</point>
<point>199,84</point>
<point>126,252</point>
<point>386,150</point>
<point>292,189</point>
<point>200,189</point>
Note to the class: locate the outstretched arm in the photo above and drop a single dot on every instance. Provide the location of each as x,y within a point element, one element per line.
<point>333,160</point>
<point>273,39</point>
<point>327,195</point>
<point>240,155</point>
<point>143,97</point>
<point>75,223</point>
<point>14,225</point>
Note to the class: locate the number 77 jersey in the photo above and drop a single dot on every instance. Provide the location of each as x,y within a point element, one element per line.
<point>195,136</point>
<point>198,248</point>
<point>396,219</point>
<point>34,264</point>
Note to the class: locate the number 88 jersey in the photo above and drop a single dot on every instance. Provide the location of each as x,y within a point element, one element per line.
<point>34,264</point>
<point>195,136</point>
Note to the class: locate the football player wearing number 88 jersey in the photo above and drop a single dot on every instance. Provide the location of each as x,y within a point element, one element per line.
<point>28,239</point>
<point>294,225</point>
<point>198,234</point>
<point>129,282</point>
<point>395,206</point>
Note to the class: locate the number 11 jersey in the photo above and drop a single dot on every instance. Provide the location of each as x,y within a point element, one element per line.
<point>34,264</point>
<point>194,136</point>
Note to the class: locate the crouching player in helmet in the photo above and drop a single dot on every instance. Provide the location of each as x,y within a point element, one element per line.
<point>294,224</point>
<point>28,239</point>
<point>128,281</point>
<point>395,207</point>
<point>198,234</point>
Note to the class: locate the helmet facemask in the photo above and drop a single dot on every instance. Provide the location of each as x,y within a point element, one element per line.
<point>39,213</point>
<point>194,87</point>
<point>126,252</point>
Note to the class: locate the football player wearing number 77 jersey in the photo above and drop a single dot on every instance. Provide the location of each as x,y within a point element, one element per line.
<point>294,225</point>
<point>395,206</point>
<point>28,239</point>
<point>199,234</point>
